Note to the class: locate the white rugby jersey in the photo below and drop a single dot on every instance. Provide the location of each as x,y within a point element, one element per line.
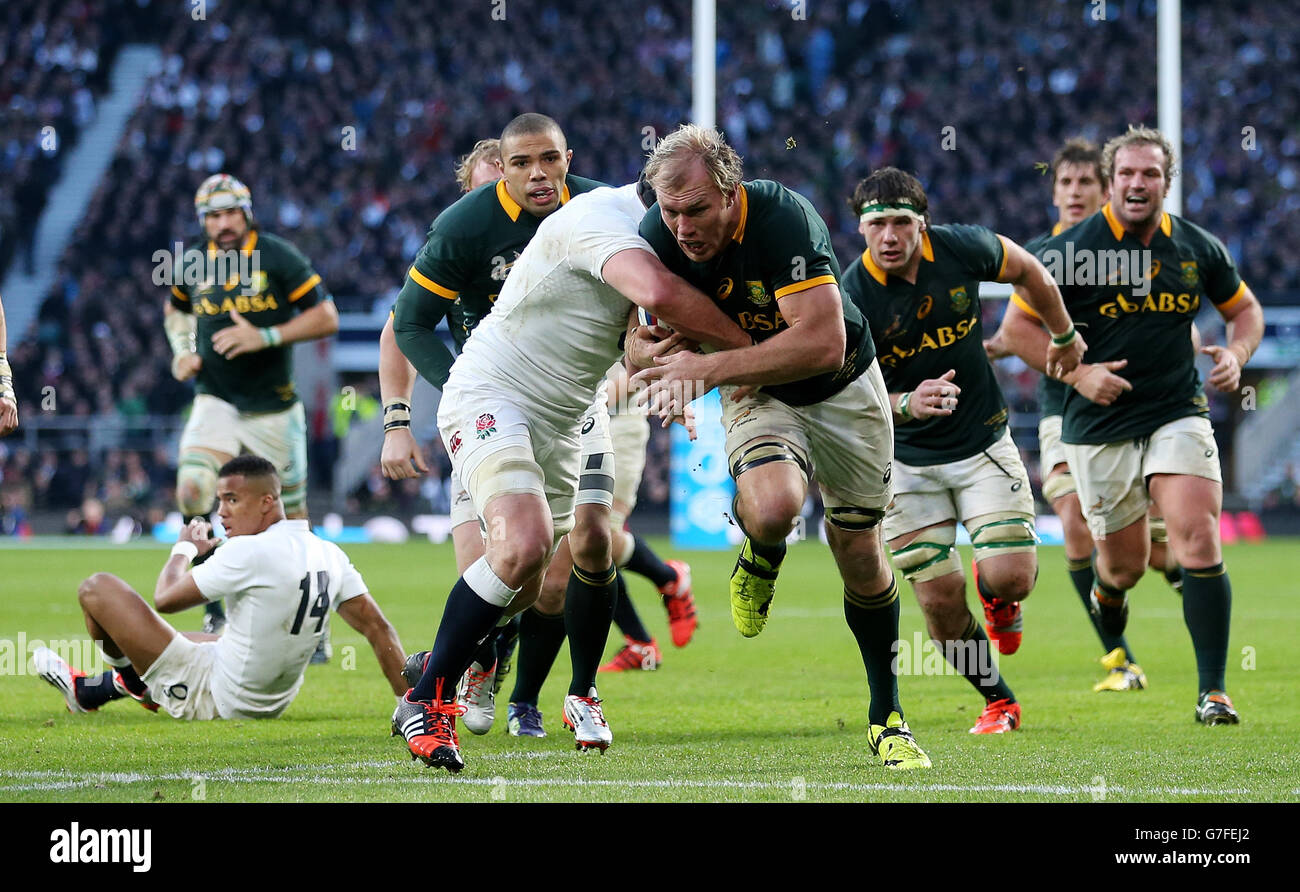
<point>279,586</point>
<point>555,328</point>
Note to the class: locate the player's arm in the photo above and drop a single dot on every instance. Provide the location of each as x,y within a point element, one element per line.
<point>415,321</point>
<point>813,344</point>
<point>1245,318</point>
<point>400,457</point>
<point>1023,335</point>
<point>364,615</point>
<point>1031,278</point>
<point>932,398</point>
<point>180,325</point>
<point>642,278</point>
<point>176,589</point>
<point>8,399</point>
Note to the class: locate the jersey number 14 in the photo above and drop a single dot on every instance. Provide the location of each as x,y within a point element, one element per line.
<point>319,608</point>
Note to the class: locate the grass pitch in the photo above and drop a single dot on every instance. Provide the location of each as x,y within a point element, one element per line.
<point>777,718</point>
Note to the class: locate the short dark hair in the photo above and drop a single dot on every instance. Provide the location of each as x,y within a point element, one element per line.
<point>248,466</point>
<point>532,123</point>
<point>1079,151</point>
<point>890,184</point>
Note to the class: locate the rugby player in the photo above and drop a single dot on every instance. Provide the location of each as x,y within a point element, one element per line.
<point>918,286</point>
<point>1154,442</point>
<point>8,399</point>
<point>280,581</point>
<point>1078,192</point>
<point>233,338</point>
<point>510,417</point>
<point>763,253</point>
<point>470,250</point>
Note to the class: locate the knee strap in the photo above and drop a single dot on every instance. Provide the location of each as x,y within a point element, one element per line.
<point>197,469</point>
<point>1003,532</point>
<point>929,557</point>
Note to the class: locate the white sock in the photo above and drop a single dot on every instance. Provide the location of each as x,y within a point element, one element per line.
<point>487,585</point>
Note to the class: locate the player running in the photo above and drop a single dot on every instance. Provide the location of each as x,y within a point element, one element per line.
<point>763,253</point>
<point>918,286</point>
<point>471,248</point>
<point>1078,191</point>
<point>280,581</point>
<point>237,302</point>
<point>510,416</point>
<point>1154,442</point>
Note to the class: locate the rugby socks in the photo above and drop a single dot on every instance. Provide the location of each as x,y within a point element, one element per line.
<point>486,653</point>
<point>1207,610</point>
<point>626,617</point>
<point>1081,577</point>
<point>771,555</point>
<point>588,609</point>
<point>540,637</point>
<point>476,603</point>
<point>972,656</point>
<point>644,562</point>
<point>507,637</point>
<point>873,619</point>
<point>94,691</point>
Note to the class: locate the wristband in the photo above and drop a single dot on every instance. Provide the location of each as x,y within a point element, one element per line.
<point>397,414</point>
<point>188,549</point>
<point>271,336</point>
<point>1065,338</point>
<point>904,410</point>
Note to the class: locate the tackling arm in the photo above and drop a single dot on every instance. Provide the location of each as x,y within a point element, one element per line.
<point>643,279</point>
<point>364,615</point>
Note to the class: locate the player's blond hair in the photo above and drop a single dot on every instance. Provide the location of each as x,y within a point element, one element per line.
<point>687,142</point>
<point>1137,135</point>
<point>484,150</point>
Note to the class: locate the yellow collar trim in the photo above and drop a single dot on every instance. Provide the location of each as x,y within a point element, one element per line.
<point>512,207</point>
<point>1117,228</point>
<point>250,242</point>
<point>739,234</point>
<point>927,253</point>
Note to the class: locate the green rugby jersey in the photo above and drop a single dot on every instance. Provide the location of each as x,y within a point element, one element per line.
<point>1151,330</point>
<point>461,269</point>
<point>283,283</point>
<point>780,247</point>
<point>933,326</point>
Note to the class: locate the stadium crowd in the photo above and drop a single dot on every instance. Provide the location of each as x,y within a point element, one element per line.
<point>349,148</point>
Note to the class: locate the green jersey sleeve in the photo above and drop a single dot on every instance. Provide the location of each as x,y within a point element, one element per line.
<point>797,253</point>
<point>978,248</point>
<point>1223,284</point>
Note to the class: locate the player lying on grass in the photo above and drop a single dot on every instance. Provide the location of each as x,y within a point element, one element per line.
<point>279,580</point>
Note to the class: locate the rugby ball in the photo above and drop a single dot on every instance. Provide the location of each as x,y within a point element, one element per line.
<point>645,317</point>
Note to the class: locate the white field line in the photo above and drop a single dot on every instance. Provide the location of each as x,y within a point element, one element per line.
<point>67,780</point>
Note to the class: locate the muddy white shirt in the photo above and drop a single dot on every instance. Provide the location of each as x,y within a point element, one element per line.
<point>555,328</point>
<point>279,586</point>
